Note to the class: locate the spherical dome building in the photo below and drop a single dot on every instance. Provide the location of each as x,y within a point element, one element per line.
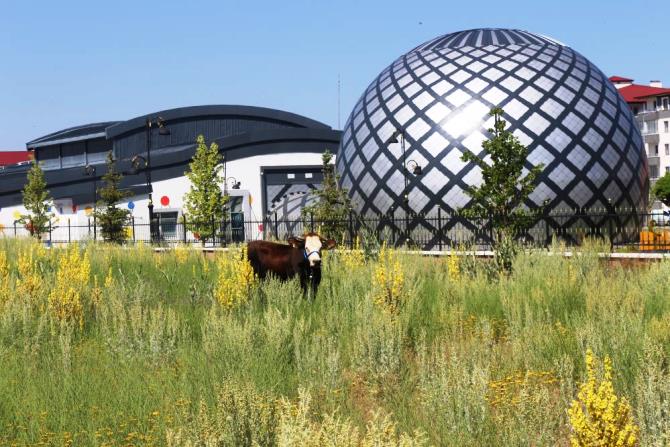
<point>560,105</point>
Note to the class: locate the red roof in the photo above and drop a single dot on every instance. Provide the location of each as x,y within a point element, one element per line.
<point>636,93</point>
<point>620,79</point>
<point>8,157</point>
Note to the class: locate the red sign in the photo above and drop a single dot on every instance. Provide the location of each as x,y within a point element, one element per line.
<point>165,200</point>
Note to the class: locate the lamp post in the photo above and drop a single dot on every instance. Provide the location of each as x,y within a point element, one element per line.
<point>162,130</point>
<point>89,170</point>
<point>416,170</point>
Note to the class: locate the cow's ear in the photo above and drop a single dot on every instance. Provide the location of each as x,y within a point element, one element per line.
<point>295,242</point>
<point>328,244</point>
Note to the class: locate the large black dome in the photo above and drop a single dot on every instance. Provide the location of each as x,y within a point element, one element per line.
<point>439,94</point>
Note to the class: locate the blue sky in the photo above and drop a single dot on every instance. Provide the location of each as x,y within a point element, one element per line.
<point>73,62</point>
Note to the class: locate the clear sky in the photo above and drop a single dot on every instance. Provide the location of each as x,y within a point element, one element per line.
<point>64,63</point>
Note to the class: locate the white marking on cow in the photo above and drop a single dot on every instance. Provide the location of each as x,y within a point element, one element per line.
<point>313,249</point>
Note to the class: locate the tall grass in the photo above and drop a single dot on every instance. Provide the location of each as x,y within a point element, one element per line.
<point>113,346</point>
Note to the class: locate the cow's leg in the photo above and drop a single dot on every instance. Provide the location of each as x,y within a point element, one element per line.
<point>315,280</point>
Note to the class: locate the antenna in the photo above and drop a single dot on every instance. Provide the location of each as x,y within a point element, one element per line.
<point>339,88</point>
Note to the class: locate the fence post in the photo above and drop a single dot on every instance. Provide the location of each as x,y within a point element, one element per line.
<point>393,228</point>
<point>49,232</point>
<point>276,227</point>
<point>213,233</point>
<point>14,228</point>
<point>351,230</point>
<point>184,228</point>
<point>439,228</point>
<point>69,234</point>
<point>611,230</point>
<point>311,222</point>
<point>491,230</point>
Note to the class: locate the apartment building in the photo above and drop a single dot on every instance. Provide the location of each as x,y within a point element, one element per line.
<point>651,106</point>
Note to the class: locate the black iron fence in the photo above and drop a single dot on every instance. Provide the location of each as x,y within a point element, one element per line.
<point>623,229</point>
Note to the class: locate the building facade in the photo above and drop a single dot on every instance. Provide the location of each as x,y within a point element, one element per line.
<point>651,106</point>
<point>268,154</point>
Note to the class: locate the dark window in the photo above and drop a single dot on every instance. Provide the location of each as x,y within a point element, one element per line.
<point>97,150</point>
<point>167,224</point>
<point>236,219</point>
<point>49,157</point>
<point>73,154</point>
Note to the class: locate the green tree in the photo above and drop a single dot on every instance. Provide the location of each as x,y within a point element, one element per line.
<point>661,189</point>
<point>37,201</point>
<point>504,188</point>
<point>204,202</point>
<point>112,219</point>
<point>331,209</point>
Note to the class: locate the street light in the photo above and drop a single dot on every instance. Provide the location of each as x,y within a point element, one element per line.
<point>235,184</point>
<point>89,171</point>
<point>162,130</point>
<point>416,169</point>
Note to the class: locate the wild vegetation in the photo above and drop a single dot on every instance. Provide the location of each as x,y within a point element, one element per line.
<point>108,345</point>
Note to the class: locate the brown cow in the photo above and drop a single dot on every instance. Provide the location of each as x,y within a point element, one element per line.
<point>302,256</point>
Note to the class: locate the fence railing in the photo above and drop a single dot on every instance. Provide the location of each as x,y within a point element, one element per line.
<point>623,230</point>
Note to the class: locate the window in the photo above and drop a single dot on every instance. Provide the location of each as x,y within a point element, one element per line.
<point>167,224</point>
<point>667,149</point>
<point>237,218</point>
<point>656,149</point>
<point>73,154</point>
<point>665,103</point>
<point>636,110</point>
<point>49,157</point>
<point>666,126</point>
<point>97,150</point>
<point>667,169</point>
<point>653,171</point>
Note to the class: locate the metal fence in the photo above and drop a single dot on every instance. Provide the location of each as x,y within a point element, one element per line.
<point>623,230</point>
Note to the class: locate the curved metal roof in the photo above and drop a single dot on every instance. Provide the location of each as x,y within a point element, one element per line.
<point>181,113</point>
<point>480,37</point>
<point>76,133</point>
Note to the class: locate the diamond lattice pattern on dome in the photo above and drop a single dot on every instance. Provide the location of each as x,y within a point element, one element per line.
<point>556,102</point>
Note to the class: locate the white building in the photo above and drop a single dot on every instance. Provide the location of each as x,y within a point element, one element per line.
<point>269,156</point>
<point>651,106</point>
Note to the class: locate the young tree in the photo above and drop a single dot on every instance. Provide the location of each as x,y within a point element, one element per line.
<point>661,189</point>
<point>112,219</point>
<point>37,201</point>
<point>504,188</point>
<point>331,209</point>
<point>204,202</point>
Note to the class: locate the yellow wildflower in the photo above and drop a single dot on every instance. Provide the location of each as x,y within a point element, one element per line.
<point>598,416</point>
<point>388,281</point>
<point>30,281</point>
<point>71,279</point>
<point>353,258</point>
<point>236,278</point>
<point>453,267</point>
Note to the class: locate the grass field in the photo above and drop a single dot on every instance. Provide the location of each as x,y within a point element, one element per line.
<point>109,346</point>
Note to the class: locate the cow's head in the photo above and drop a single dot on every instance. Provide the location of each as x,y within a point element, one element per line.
<point>311,245</point>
